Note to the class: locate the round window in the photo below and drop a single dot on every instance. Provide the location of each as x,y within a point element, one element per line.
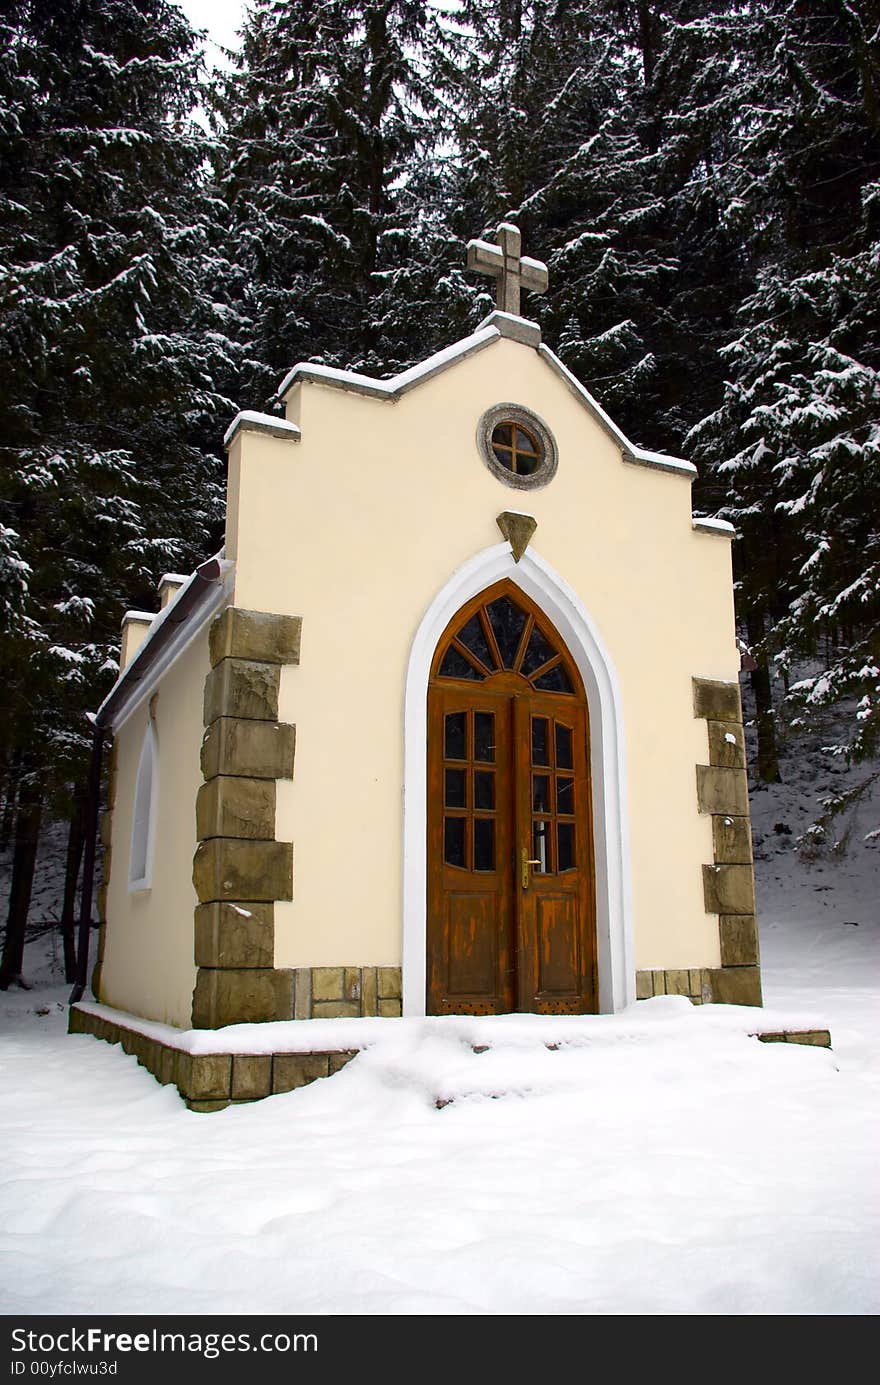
<point>516,446</point>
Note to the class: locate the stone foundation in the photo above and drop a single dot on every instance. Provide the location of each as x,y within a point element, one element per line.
<point>212,1081</point>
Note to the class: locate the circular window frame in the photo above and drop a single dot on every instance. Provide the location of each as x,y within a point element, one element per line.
<point>516,414</point>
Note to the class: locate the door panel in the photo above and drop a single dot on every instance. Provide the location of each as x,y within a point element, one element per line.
<point>511,893</point>
<point>470,848</point>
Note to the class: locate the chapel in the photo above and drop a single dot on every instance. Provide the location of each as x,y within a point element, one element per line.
<point>450,725</point>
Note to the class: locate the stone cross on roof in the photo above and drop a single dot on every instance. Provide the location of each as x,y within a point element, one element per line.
<point>504,263</point>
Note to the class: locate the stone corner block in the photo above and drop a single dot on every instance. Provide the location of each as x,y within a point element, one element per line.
<point>230,868</point>
<point>721,790</point>
<point>736,986</point>
<point>235,935</point>
<point>717,701</point>
<point>203,1076</point>
<point>247,995</point>
<point>727,744</point>
<point>242,688</point>
<point>731,840</point>
<point>248,749</point>
<point>739,940</point>
<point>729,889</point>
<point>232,807</point>
<point>241,634</point>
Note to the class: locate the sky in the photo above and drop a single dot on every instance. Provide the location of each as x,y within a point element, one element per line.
<point>221,18</point>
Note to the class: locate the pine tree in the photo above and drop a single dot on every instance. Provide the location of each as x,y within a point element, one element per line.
<point>798,426</point>
<point>108,358</point>
<point>336,246</point>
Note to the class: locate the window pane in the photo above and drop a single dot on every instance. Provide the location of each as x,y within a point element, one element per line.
<point>540,748</point>
<point>484,843</point>
<point>566,845</point>
<point>557,680</point>
<point>526,463</point>
<point>472,636</point>
<point>484,789</point>
<point>538,651</point>
<point>564,795</point>
<point>503,434</point>
<point>508,622</point>
<point>453,841</point>
<point>563,747</point>
<point>541,847</point>
<point>541,793</point>
<point>455,665</point>
<point>484,737</point>
<point>455,740</point>
<point>504,456</point>
<point>456,788</point>
<point>525,443</point>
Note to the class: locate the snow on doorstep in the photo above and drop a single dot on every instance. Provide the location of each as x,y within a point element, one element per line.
<point>642,1022</point>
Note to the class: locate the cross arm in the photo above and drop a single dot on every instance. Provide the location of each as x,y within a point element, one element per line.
<point>534,274</point>
<point>485,258</point>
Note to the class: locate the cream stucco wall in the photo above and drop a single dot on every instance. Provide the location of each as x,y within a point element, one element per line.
<point>356,527</point>
<point>148,952</point>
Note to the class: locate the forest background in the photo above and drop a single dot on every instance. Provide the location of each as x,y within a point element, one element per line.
<point>702,177</point>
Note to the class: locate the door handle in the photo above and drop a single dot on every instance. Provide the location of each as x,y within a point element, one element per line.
<point>525,861</point>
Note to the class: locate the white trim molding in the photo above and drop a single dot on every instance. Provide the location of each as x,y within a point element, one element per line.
<point>560,603</point>
<point>143,818</point>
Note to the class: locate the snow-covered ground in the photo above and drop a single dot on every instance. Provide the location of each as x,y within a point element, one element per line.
<point>664,1163</point>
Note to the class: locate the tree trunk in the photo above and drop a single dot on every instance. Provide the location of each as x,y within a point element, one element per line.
<point>24,859</point>
<point>767,768</point>
<point>75,842</point>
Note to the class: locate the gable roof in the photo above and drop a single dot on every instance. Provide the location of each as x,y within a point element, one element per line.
<point>497,325</point>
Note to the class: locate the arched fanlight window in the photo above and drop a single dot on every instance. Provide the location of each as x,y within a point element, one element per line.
<point>140,870</point>
<point>500,633</point>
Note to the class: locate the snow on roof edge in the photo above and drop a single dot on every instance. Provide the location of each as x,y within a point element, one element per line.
<point>261,423</point>
<point>388,389</point>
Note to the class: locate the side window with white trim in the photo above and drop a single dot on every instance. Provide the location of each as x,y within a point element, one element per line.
<point>140,870</point>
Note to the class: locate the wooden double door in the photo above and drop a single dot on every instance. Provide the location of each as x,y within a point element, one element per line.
<point>511,912</point>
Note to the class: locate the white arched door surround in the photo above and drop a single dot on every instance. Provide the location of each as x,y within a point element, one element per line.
<point>563,607</point>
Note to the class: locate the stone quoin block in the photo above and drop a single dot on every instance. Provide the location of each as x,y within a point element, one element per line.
<point>739,940</point>
<point>727,744</point>
<point>729,889</point>
<point>249,995</point>
<point>735,985</point>
<point>235,935</point>
<point>228,807</point>
<point>248,749</point>
<point>732,840</point>
<point>227,868</point>
<point>717,701</point>
<point>721,790</point>
<point>241,688</point>
<point>241,634</point>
